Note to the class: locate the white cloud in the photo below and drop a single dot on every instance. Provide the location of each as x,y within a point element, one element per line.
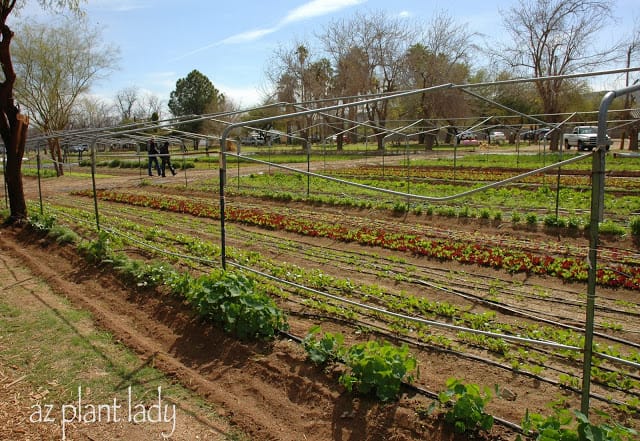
<point>248,36</point>
<point>316,8</point>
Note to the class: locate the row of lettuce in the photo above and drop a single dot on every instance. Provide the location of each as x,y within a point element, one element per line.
<point>568,268</point>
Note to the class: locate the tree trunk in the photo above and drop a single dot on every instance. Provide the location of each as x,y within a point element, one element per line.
<point>633,139</point>
<point>380,141</point>
<point>56,156</point>
<point>13,170</point>
<point>13,128</point>
<point>430,140</point>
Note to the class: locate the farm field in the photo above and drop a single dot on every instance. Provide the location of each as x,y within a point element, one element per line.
<point>467,285</point>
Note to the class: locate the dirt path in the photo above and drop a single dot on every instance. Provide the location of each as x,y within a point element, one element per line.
<point>32,289</point>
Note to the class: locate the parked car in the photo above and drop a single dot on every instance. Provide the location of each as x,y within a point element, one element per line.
<point>467,139</point>
<point>78,148</point>
<point>497,137</point>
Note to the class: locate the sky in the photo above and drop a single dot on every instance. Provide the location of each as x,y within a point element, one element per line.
<point>233,42</point>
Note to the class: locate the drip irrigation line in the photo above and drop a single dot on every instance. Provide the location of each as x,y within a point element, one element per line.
<point>471,356</point>
<point>418,389</point>
<point>383,311</point>
<point>519,313</point>
<point>516,312</point>
<point>407,317</point>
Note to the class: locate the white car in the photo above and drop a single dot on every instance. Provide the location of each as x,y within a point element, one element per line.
<point>497,138</point>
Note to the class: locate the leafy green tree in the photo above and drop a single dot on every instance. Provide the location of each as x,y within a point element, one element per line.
<point>195,95</point>
<point>14,125</point>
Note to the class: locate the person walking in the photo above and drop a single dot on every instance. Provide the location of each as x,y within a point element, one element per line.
<point>152,153</point>
<point>166,159</point>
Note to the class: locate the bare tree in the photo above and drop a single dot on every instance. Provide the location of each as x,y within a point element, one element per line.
<point>126,100</point>
<point>90,111</point>
<point>56,64</point>
<point>440,57</point>
<point>551,38</point>
<point>14,125</point>
<point>383,42</point>
<point>350,80</point>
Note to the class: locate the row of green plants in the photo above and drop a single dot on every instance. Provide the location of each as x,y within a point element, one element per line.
<point>522,206</point>
<point>475,175</point>
<point>520,360</point>
<point>227,298</point>
<point>359,380</point>
<point>382,368</point>
<point>573,269</point>
<point>613,163</point>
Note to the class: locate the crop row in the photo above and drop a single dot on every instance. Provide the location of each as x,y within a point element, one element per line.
<point>522,359</point>
<point>570,269</point>
<point>476,175</point>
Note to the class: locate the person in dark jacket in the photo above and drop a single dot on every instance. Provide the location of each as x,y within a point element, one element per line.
<point>166,159</point>
<point>152,153</point>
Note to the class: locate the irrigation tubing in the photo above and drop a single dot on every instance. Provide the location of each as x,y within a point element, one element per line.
<point>470,356</point>
<point>417,389</point>
<point>374,308</point>
<point>518,312</point>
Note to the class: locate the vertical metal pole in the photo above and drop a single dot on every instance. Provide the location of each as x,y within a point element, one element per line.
<point>455,159</point>
<point>38,165</point>
<point>308,147</point>
<point>558,186</point>
<point>93,183</point>
<point>597,207</point>
<point>597,176</point>
<point>222,177</point>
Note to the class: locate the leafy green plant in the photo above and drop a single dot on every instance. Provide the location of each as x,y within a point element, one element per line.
<point>42,222</point>
<point>465,404</point>
<point>610,227</point>
<point>485,213</point>
<point>330,347</point>
<point>531,218</point>
<point>634,226</point>
<point>515,217</point>
<point>560,426</point>
<point>378,368</point>
<point>63,235</point>
<point>98,250</point>
<point>232,300</point>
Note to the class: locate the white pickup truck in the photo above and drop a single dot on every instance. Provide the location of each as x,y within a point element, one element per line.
<point>583,137</point>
